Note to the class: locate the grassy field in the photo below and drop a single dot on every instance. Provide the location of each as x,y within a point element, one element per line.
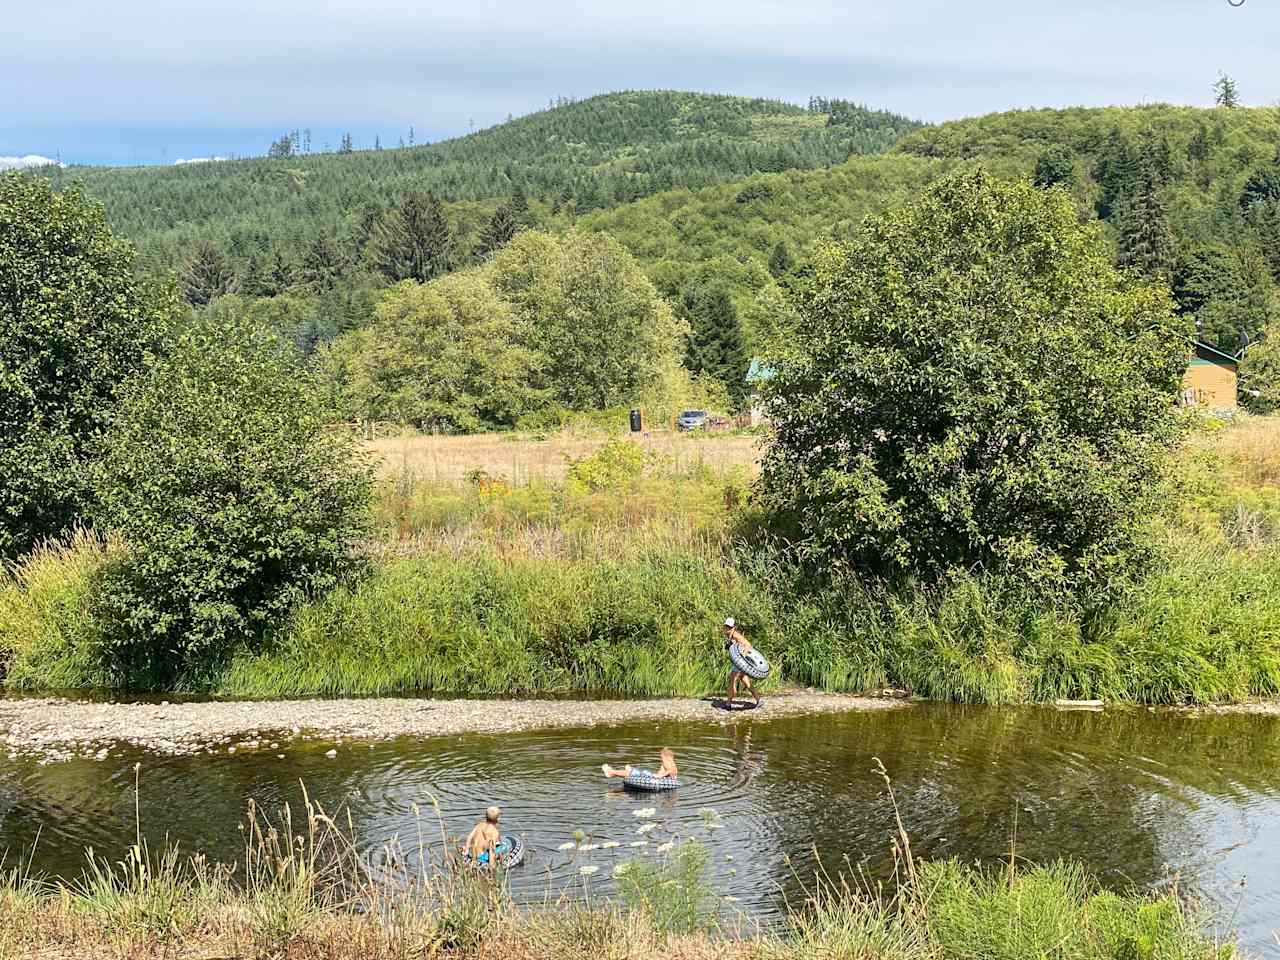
<point>527,458</point>
<point>309,894</point>
<point>615,574</point>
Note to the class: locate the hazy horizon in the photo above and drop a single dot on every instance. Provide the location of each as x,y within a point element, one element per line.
<point>165,86</point>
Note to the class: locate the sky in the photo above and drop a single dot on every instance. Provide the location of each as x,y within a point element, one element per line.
<point>156,81</point>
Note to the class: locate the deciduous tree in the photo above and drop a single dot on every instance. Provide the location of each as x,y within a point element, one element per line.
<point>974,386</point>
<point>75,323</point>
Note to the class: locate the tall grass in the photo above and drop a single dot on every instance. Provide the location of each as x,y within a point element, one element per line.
<point>616,580</point>
<point>49,637</point>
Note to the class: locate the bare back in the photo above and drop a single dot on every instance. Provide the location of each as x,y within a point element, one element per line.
<point>482,839</point>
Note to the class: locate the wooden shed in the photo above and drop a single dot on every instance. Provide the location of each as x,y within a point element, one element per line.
<point>1212,379</point>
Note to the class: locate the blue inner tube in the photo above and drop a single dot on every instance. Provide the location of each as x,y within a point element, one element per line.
<point>644,780</point>
<point>509,851</point>
<point>754,665</point>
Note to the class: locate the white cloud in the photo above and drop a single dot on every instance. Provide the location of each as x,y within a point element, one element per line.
<point>200,160</point>
<point>30,160</point>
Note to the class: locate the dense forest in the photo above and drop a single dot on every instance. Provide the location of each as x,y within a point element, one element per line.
<point>1192,195</point>
<point>719,200</point>
<point>576,155</point>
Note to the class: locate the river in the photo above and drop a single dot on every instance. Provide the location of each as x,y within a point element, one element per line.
<point>1140,797</point>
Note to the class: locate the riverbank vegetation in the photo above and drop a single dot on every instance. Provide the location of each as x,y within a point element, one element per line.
<point>311,894</point>
<point>957,502</point>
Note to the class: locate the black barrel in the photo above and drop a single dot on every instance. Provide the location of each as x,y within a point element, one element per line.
<point>636,425</point>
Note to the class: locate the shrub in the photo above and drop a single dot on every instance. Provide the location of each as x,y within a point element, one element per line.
<point>74,323</point>
<point>615,464</point>
<point>234,499</point>
<point>975,386</point>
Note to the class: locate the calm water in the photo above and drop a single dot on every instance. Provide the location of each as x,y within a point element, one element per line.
<point>1137,796</point>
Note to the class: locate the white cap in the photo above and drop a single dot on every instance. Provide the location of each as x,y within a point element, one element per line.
<point>730,622</point>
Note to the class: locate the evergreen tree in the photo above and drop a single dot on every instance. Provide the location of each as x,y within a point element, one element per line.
<point>781,262</point>
<point>207,275</point>
<point>1146,237</point>
<point>1116,172</point>
<point>1198,147</point>
<point>323,263</point>
<point>253,280</point>
<point>714,346</point>
<point>280,273</point>
<point>413,241</point>
<point>1263,186</point>
<point>501,228</point>
<point>1225,92</point>
<point>520,210</point>
<point>1056,165</point>
<point>346,146</point>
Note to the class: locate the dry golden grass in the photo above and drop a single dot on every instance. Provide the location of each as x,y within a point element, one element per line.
<point>1249,449</point>
<point>521,458</point>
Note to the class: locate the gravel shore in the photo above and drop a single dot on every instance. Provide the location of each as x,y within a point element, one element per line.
<point>56,729</point>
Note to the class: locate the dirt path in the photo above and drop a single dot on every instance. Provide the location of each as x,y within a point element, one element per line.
<point>57,730</point>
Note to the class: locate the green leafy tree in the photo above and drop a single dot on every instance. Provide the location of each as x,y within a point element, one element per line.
<point>781,261</point>
<point>607,334</point>
<point>975,386</point>
<point>1056,166</point>
<point>768,321</point>
<point>447,356</point>
<point>1260,372</point>
<point>1228,290</point>
<point>714,345</point>
<point>207,275</point>
<point>1225,92</point>
<point>235,500</point>
<point>502,226</point>
<point>413,240</point>
<point>75,322</point>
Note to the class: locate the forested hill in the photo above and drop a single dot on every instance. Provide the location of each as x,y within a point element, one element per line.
<point>581,155</point>
<point>1189,194</point>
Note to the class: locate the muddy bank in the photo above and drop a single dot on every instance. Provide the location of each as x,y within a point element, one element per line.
<point>57,729</point>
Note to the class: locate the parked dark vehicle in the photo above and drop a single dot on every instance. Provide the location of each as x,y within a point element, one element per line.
<point>691,420</point>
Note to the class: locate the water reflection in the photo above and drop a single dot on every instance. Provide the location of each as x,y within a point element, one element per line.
<point>1133,794</point>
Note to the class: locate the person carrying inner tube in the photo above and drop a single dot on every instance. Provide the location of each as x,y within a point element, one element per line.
<point>732,635</point>
<point>484,838</point>
<point>668,768</point>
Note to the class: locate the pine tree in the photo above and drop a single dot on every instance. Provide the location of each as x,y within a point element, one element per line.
<point>1116,172</point>
<point>520,209</point>
<point>1146,237</point>
<point>714,346</point>
<point>500,229</point>
<point>323,263</point>
<point>281,274</point>
<point>411,135</point>
<point>781,262</point>
<point>346,144</point>
<point>253,280</point>
<point>377,143</point>
<point>413,241</point>
<point>1225,92</point>
<point>206,276</point>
